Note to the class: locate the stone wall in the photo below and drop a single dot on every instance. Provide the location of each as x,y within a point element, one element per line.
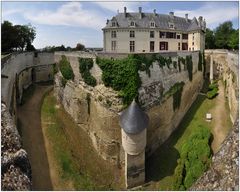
<point>15,166</point>
<point>17,72</point>
<point>225,67</point>
<point>96,109</point>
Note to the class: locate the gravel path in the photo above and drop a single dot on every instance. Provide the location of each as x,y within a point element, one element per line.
<point>220,117</point>
<point>29,116</point>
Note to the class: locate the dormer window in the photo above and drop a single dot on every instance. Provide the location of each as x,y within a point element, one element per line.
<point>171,25</point>
<point>132,24</point>
<point>114,24</point>
<point>152,24</point>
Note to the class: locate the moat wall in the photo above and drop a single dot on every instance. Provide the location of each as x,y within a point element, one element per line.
<point>100,116</point>
<point>19,71</point>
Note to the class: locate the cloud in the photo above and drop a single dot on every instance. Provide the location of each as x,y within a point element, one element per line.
<point>213,12</point>
<point>69,14</point>
<point>115,6</point>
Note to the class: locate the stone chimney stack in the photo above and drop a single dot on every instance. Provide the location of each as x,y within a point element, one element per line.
<point>200,21</point>
<point>171,14</point>
<point>154,11</point>
<point>186,17</point>
<point>140,12</point>
<point>125,11</point>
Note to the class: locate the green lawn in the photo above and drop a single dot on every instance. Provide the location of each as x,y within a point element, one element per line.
<point>161,165</point>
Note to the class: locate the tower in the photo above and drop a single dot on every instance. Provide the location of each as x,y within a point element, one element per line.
<point>134,122</point>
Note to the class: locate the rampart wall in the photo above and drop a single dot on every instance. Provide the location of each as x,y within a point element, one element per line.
<point>100,116</point>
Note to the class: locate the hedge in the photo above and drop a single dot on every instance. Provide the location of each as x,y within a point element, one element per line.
<point>66,68</point>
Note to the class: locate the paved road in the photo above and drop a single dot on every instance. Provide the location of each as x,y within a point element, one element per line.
<point>29,116</point>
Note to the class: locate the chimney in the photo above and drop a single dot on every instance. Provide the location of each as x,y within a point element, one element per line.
<point>171,14</point>
<point>107,21</point>
<point>200,20</point>
<point>125,11</point>
<point>186,17</point>
<point>140,12</point>
<point>154,11</point>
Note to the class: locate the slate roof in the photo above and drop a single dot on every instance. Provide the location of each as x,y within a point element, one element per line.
<point>133,120</point>
<point>161,21</point>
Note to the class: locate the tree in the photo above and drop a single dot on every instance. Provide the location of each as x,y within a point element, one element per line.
<point>209,39</point>
<point>16,36</point>
<point>222,35</point>
<point>233,41</point>
<point>30,47</point>
<point>80,47</point>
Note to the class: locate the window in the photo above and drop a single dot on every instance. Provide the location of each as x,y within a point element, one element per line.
<point>171,35</point>
<point>132,23</point>
<point>193,48</point>
<point>178,36</point>
<point>163,45</point>
<point>192,43</point>
<point>113,24</point>
<point>162,34</point>
<point>184,46</point>
<point>179,46</point>
<point>151,46</point>
<point>171,25</point>
<point>152,24</point>
<point>151,34</point>
<point>114,34</point>
<point>132,34</point>
<point>132,46</point>
<point>184,36</point>
<point>114,45</point>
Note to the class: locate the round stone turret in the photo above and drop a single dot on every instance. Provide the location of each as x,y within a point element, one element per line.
<point>134,123</point>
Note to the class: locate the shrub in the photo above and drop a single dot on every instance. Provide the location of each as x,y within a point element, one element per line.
<point>212,90</point>
<point>194,159</point>
<point>85,64</point>
<point>66,68</point>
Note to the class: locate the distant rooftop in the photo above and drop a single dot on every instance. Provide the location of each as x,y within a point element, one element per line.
<point>161,21</point>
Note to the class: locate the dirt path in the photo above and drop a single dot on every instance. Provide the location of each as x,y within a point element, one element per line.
<point>220,117</point>
<point>29,116</point>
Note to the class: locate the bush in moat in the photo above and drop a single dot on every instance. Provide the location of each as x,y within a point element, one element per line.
<point>212,90</point>
<point>189,67</point>
<point>66,68</point>
<point>85,64</point>
<point>200,63</point>
<point>195,157</point>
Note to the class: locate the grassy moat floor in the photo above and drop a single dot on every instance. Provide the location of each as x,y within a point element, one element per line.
<point>75,165</point>
<point>161,165</point>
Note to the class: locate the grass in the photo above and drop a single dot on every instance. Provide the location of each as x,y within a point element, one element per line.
<point>161,165</point>
<point>77,161</point>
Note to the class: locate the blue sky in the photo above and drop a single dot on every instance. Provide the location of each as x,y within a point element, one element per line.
<point>68,23</point>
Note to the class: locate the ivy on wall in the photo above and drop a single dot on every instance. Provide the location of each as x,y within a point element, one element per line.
<point>189,67</point>
<point>122,75</point>
<point>85,64</point>
<point>66,68</point>
<point>176,92</point>
<point>200,63</point>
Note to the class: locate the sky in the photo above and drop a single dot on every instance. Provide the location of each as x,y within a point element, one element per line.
<point>69,23</point>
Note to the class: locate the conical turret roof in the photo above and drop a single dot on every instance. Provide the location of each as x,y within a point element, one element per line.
<point>133,120</point>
